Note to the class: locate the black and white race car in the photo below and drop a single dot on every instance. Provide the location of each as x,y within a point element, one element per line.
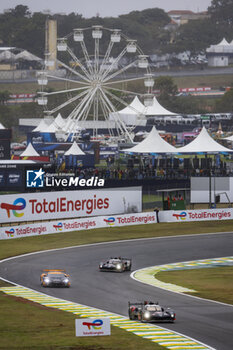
<point>150,312</point>
<point>116,264</point>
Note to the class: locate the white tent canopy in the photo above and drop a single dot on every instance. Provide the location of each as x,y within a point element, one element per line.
<point>157,110</point>
<point>50,128</point>
<point>74,150</point>
<point>133,114</point>
<point>223,42</point>
<point>27,56</point>
<point>135,107</point>
<point>42,127</point>
<point>1,126</point>
<point>59,122</point>
<point>203,143</point>
<point>222,47</point>
<point>229,138</point>
<point>6,55</point>
<point>153,143</point>
<point>29,152</point>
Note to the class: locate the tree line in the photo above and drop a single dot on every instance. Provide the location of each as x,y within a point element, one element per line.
<point>21,28</point>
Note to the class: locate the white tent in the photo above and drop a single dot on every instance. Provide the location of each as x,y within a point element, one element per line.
<point>50,128</point>
<point>222,47</point>
<point>229,138</point>
<point>27,56</point>
<point>1,126</point>
<point>224,42</point>
<point>7,55</point>
<point>59,122</point>
<point>133,114</point>
<point>74,150</point>
<point>203,143</point>
<point>157,110</point>
<point>42,126</point>
<point>153,143</point>
<point>29,152</point>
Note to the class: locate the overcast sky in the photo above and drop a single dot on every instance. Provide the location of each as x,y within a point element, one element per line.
<point>114,8</point>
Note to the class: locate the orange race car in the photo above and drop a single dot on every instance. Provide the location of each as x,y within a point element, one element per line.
<point>55,278</point>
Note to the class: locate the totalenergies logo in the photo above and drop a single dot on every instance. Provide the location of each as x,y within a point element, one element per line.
<point>10,233</point>
<point>181,216</point>
<point>58,227</point>
<point>110,221</point>
<point>95,324</point>
<point>18,205</point>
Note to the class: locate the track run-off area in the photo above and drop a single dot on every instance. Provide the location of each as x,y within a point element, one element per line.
<point>200,324</point>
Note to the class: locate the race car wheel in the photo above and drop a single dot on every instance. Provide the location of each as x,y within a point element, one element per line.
<point>132,316</point>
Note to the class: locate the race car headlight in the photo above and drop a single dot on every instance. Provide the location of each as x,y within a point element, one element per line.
<point>118,266</point>
<point>46,280</point>
<point>147,315</point>
<point>101,265</point>
<point>66,280</point>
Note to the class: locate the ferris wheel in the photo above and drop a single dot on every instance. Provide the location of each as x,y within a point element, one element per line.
<point>97,65</point>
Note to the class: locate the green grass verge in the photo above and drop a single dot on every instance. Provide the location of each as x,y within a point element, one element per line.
<point>19,246</point>
<point>214,81</point>
<point>215,283</point>
<point>27,325</point>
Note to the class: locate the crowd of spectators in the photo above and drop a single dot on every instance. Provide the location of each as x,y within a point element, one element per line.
<point>149,172</point>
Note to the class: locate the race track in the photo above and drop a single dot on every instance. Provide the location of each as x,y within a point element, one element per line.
<point>208,322</point>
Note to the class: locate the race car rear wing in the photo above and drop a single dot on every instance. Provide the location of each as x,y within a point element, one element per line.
<point>119,257</point>
<point>49,270</point>
<point>135,304</point>
<point>142,303</point>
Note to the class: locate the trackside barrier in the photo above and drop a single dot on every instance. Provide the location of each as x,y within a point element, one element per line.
<point>58,226</point>
<point>196,215</point>
<point>78,224</point>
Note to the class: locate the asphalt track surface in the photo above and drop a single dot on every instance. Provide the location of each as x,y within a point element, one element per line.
<point>203,320</point>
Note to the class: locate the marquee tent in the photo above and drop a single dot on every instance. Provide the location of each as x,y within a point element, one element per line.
<point>74,150</point>
<point>50,128</point>
<point>222,47</point>
<point>203,143</point>
<point>229,138</point>
<point>59,122</point>
<point>157,110</point>
<point>6,55</point>
<point>42,127</point>
<point>1,126</point>
<point>29,152</point>
<point>153,143</point>
<point>27,56</point>
<point>133,114</point>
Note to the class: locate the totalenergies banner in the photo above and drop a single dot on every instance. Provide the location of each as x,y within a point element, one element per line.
<point>67,204</point>
<point>59,226</point>
<point>196,215</point>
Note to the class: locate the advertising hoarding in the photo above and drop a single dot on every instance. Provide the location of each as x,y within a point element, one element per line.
<point>77,224</point>
<point>69,204</point>
<point>89,327</point>
<point>196,215</point>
